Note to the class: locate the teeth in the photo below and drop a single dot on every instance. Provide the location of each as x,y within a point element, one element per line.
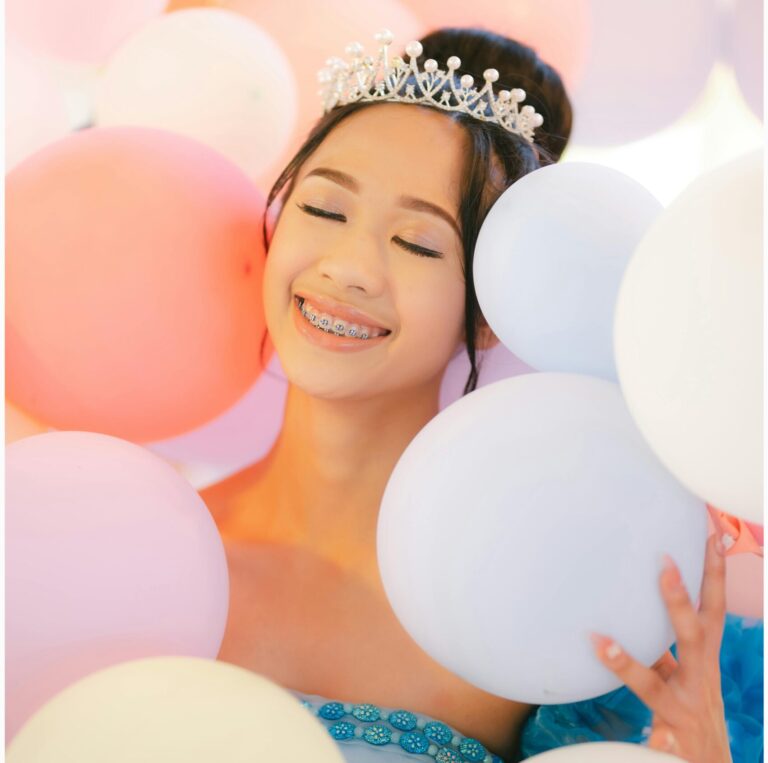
<point>337,326</point>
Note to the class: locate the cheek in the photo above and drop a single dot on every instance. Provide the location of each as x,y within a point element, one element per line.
<point>436,316</point>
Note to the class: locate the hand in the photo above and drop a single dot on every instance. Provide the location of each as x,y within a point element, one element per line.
<point>684,694</point>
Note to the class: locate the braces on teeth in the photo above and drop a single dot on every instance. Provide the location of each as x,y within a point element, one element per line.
<point>323,322</point>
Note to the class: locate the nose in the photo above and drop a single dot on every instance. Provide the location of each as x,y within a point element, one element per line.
<point>357,263</point>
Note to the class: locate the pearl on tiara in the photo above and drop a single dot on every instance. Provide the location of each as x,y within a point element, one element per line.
<point>391,78</point>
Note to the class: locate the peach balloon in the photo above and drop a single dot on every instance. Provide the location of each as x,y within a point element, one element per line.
<point>134,264</point>
<point>558,31</point>
<point>19,424</point>
<point>309,32</point>
<point>209,74</point>
<point>82,30</point>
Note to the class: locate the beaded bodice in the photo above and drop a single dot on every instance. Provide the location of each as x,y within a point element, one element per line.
<point>367,730</point>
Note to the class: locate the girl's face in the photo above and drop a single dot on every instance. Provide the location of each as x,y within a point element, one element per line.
<point>371,225</point>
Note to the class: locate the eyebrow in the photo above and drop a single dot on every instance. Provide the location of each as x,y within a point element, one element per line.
<point>406,202</point>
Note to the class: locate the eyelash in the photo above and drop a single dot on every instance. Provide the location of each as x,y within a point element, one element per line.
<point>415,248</point>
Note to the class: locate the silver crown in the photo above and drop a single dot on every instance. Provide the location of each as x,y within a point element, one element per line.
<point>386,78</point>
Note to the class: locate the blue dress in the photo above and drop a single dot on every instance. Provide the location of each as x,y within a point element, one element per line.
<point>369,733</point>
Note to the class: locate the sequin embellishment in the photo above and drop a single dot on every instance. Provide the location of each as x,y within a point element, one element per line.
<point>416,735</point>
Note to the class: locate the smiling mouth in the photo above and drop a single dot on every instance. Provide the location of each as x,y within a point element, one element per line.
<point>343,329</point>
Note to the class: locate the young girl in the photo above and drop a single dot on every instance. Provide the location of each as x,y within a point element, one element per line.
<point>368,295</point>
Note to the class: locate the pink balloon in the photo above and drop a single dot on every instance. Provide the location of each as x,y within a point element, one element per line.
<point>498,363</point>
<point>134,263</point>
<point>110,556</point>
<point>310,31</point>
<point>82,30</point>
<point>558,31</point>
<point>240,436</point>
<point>641,72</point>
<point>744,49</point>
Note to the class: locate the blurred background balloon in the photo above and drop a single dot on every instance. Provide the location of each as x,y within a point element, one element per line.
<point>174,709</point>
<point>208,74</point>
<point>562,488</point>
<point>18,424</point>
<point>743,48</point>
<point>82,30</point>
<point>641,73</point>
<point>110,556</point>
<point>135,310</point>
<point>688,337</point>
<point>549,260</point>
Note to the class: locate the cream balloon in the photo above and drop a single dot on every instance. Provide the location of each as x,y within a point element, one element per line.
<point>604,752</point>
<point>175,710</point>
<point>209,74</point>
<point>688,337</point>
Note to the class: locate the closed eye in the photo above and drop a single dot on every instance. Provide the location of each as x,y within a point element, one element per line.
<point>422,251</point>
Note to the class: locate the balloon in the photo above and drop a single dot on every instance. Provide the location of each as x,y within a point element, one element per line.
<point>493,364</point>
<point>688,337</point>
<point>175,710</point>
<point>525,515</point>
<point>209,74</point>
<point>110,556</point>
<point>36,110</point>
<point>549,260</point>
<point>604,752</point>
<point>559,32</point>
<point>135,310</point>
<point>641,73</point>
<point>240,436</point>
<point>744,49</point>
<point>309,32</point>
<point>83,30</point>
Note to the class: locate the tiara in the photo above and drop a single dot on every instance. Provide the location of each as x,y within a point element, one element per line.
<point>386,78</point>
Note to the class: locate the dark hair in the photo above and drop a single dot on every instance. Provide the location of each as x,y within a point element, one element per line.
<point>518,66</point>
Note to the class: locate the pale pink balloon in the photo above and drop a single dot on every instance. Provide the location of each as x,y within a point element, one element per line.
<point>495,364</point>
<point>134,263</point>
<point>641,73</point>
<point>743,568</point>
<point>110,556</point>
<point>309,32</point>
<point>239,437</point>
<point>558,31</point>
<point>743,48</point>
<point>82,30</point>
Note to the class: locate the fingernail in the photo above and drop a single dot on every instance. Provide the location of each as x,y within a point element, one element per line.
<point>669,741</point>
<point>612,651</point>
<point>671,572</point>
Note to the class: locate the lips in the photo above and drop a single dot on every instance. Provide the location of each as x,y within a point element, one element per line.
<point>339,310</point>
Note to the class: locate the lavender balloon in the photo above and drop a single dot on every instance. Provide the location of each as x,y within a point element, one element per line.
<point>549,260</point>
<point>110,556</point>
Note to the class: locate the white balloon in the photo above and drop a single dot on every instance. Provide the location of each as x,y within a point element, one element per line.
<point>207,73</point>
<point>549,260</point>
<point>689,337</point>
<point>525,515</point>
<point>604,752</point>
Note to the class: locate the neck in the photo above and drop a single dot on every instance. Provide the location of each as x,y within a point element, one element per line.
<point>325,476</point>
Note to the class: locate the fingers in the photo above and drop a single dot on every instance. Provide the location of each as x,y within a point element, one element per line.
<point>645,682</point>
<point>689,627</point>
<point>712,608</point>
<point>665,666</point>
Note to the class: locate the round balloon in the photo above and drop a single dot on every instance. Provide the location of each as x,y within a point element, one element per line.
<point>549,259</point>
<point>688,337</point>
<point>522,517</point>
<point>208,74</point>
<point>640,73</point>
<point>81,30</point>
<point>110,556</point>
<point>135,310</point>
<point>744,49</point>
<point>174,709</point>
